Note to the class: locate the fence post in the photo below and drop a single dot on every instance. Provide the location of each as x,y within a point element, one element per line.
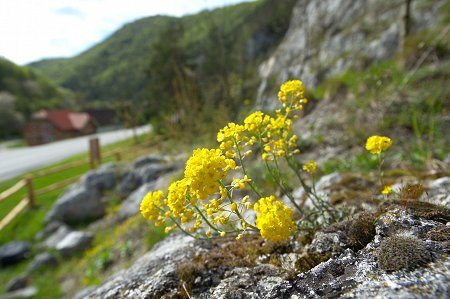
<point>29,184</point>
<point>94,152</point>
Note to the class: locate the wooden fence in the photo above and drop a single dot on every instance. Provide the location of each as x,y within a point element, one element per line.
<point>30,199</point>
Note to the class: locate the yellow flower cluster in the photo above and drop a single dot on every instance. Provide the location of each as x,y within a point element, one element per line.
<point>274,219</point>
<point>291,95</point>
<point>204,196</point>
<point>150,205</point>
<point>176,199</point>
<point>203,171</point>
<point>310,167</point>
<point>377,144</point>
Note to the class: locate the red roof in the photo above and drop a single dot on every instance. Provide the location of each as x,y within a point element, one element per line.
<point>65,120</point>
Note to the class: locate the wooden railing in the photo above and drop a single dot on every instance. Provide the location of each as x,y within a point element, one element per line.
<point>31,194</point>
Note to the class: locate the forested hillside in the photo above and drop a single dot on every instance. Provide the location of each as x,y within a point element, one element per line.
<point>22,91</point>
<point>210,62</point>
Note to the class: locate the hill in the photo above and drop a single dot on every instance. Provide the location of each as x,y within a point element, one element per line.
<point>22,91</point>
<point>211,59</point>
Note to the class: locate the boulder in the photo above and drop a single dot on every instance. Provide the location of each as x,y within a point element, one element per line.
<point>42,260</point>
<point>17,283</point>
<point>103,178</point>
<point>60,233</point>
<point>132,204</point>
<point>28,292</point>
<point>146,173</point>
<point>49,229</point>
<point>79,203</point>
<point>13,252</point>
<point>150,159</point>
<point>74,243</point>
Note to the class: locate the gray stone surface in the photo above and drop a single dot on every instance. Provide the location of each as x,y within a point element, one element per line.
<point>75,242</point>
<point>49,229</point>
<point>28,292</point>
<point>132,204</point>
<point>13,252</point>
<point>330,36</point>
<point>345,273</point>
<point>42,260</point>
<point>145,173</point>
<point>17,283</point>
<point>103,178</point>
<point>60,233</point>
<point>78,203</point>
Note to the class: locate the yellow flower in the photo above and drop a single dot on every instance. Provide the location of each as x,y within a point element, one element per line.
<point>311,167</point>
<point>377,144</point>
<point>233,207</point>
<point>150,205</point>
<point>274,219</point>
<point>240,183</point>
<point>291,94</point>
<point>176,198</point>
<point>222,234</point>
<point>387,190</point>
<point>255,121</point>
<point>229,136</point>
<point>204,169</point>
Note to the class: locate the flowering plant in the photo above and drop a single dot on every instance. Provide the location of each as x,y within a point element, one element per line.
<point>207,196</point>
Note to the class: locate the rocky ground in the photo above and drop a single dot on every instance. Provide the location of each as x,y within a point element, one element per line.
<point>390,248</point>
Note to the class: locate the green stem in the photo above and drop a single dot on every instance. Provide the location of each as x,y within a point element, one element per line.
<point>244,170</point>
<point>229,196</point>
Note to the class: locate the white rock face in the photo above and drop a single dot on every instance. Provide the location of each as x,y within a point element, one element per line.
<point>328,37</point>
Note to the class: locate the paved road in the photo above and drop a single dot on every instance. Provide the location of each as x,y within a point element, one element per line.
<point>14,162</point>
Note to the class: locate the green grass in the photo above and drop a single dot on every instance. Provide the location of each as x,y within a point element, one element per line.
<point>29,222</point>
<point>90,267</point>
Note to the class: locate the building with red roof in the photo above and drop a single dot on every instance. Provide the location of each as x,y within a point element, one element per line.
<point>51,125</point>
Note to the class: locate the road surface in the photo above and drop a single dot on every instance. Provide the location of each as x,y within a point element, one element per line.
<point>14,162</point>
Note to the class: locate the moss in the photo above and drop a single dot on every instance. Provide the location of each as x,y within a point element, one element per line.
<point>426,210</point>
<point>358,231</point>
<point>402,253</point>
<point>310,260</point>
<point>440,234</point>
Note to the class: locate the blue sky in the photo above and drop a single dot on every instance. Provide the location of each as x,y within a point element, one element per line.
<point>31,30</point>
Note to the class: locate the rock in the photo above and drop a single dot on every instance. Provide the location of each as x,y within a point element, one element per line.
<point>74,243</point>
<point>60,233</point>
<point>150,159</point>
<point>328,37</point>
<point>101,179</point>
<point>153,275</point>
<point>17,283</point>
<point>79,203</point>
<point>42,260</point>
<point>49,229</point>
<point>84,292</point>
<point>132,204</point>
<point>438,191</point>
<point>22,293</point>
<point>144,174</point>
<point>13,252</point>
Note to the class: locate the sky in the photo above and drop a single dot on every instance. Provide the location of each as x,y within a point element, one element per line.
<point>32,30</point>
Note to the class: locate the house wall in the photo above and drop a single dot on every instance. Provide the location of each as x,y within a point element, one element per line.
<point>42,131</point>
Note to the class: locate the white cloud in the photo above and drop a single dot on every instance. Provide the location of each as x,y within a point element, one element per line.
<point>35,29</point>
